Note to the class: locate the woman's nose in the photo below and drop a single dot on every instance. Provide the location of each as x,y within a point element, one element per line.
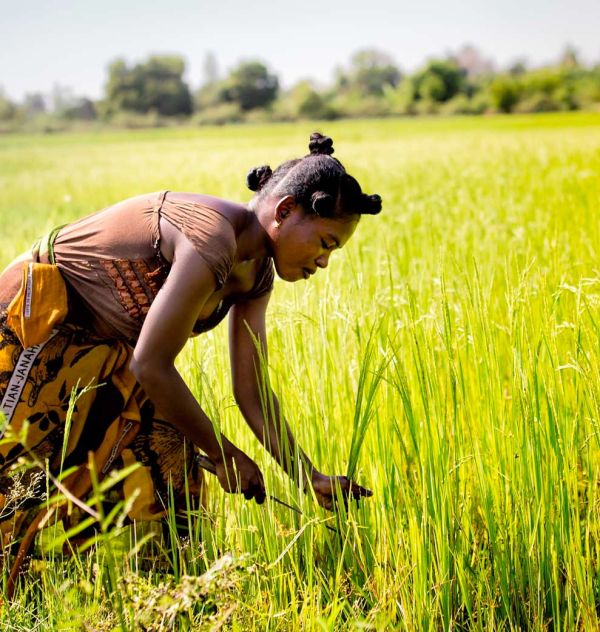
<point>322,260</point>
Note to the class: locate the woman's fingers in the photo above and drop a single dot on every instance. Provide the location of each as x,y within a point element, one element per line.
<point>325,501</point>
<point>358,491</point>
<point>239,474</point>
<point>255,491</point>
<point>260,496</point>
<point>333,489</point>
<point>349,488</point>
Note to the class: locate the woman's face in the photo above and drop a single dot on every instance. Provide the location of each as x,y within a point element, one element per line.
<point>301,243</point>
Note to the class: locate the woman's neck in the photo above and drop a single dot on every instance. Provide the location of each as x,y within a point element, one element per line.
<point>252,239</point>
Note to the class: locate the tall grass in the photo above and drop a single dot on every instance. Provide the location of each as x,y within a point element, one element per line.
<point>448,359</point>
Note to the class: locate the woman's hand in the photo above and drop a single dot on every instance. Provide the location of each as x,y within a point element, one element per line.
<point>326,487</point>
<point>238,473</point>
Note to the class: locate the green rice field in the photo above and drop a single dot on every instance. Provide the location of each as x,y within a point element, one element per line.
<point>449,357</point>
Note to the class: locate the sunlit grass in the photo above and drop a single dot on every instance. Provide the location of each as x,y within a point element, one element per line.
<point>469,312</point>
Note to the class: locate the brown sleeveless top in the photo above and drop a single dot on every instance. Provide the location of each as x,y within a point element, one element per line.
<point>113,266</point>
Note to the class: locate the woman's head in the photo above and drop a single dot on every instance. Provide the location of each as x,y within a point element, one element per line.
<point>318,182</point>
<point>312,207</point>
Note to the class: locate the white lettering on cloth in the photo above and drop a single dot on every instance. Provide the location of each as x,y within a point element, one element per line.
<point>18,379</point>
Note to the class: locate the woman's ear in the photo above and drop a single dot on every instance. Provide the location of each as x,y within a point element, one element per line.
<point>284,208</point>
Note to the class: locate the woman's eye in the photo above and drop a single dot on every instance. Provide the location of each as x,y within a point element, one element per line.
<point>325,245</point>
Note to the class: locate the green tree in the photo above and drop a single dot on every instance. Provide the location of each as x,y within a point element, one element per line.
<point>402,99</point>
<point>505,92</point>
<point>8,110</point>
<point>371,72</point>
<point>518,67</point>
<point>439,81</point>
<point>154,85</point>
<point>432,87</point>
<point>250,85</point>
<point>80,108</point>
<point>307,103</point>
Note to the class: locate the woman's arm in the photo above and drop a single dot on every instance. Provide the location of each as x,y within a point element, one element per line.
<point>167,327</point>
<point>257,402</point>
<point>260,407</point>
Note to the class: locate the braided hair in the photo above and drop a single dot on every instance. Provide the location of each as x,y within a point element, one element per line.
<point>318,182</point>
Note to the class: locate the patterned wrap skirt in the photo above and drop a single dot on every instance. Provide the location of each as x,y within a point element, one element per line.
<point>72,403</point>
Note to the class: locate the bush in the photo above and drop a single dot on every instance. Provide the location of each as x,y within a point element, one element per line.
<point>220,114</point>
<point>304,101</point>
<point>132,120</point>
<point>426,106</point>
<point>355,105</point>
<point>462,104</point>
<point>537,103</point>
<point>480,103</point>
<point>46,124</point>
<point>401,100</point>
<point>505,92</point>
<point>588,90</point>
<point>8,110</point>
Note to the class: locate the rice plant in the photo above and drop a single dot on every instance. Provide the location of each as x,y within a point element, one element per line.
<point>448,359</point>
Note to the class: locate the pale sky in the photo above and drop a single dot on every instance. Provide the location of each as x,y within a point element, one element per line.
<point>43,42</point>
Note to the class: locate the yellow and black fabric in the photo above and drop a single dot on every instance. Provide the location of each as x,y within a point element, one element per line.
<point>112,424</point>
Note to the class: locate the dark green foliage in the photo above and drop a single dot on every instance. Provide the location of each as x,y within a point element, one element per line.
<point>439,81</point>
<point>153,93</point>
<point>155,85</point>
<point>314,106</point>
<point>505,92</point>
<point>304,101</point>
<point>250,85</point>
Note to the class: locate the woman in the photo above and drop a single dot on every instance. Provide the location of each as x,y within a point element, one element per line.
<point>136,281</point>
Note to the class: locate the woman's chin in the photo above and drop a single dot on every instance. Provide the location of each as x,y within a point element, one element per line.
<point>290,275</point>
<point>290,278</point>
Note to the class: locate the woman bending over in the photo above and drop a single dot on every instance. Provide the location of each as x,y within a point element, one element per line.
<point>110,300</point>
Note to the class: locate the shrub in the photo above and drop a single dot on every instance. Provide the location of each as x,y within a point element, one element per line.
<point>505,92</point>
<point>220,114</point>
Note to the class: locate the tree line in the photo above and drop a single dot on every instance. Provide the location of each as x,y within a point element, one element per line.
<point>154,92</point>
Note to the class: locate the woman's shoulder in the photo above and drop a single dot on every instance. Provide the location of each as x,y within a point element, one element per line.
<point>203,219</point>
<point>208,223</point>
<point>233,212</point>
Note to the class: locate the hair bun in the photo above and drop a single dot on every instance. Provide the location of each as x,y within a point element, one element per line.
<point>371,204</point>
<point>322,203</point>
<point>320,145</point>
<point>257,177</point>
